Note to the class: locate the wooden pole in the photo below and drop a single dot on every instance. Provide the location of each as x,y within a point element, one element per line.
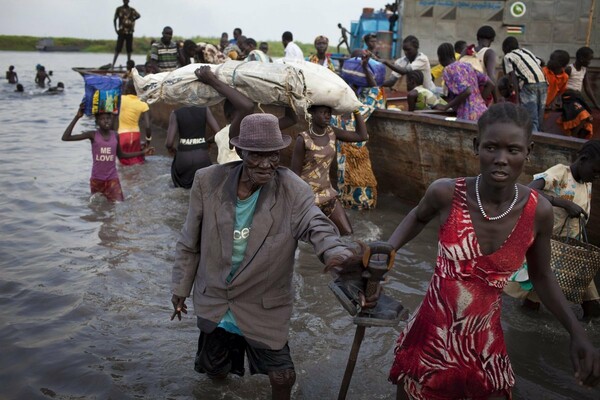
<point>358,338</point>
<point>590,23</point>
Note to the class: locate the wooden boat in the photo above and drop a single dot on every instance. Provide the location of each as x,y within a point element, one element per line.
<point>100,71</point>
<point>409,150</point>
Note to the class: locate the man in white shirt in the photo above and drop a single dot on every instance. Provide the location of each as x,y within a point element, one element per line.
<point>413,60</point>
<point>292,51</point>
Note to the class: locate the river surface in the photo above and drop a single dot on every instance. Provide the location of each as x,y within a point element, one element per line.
<point>84,284</point>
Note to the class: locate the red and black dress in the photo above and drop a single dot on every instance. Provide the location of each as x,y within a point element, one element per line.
<point>453,347</point>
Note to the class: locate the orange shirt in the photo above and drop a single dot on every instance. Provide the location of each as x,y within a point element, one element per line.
<point>556,84</point>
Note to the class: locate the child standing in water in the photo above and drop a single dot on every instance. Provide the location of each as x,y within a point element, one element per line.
<point>11,75</point>
<point>105,149</point>
<point>312,157</point>
<point>453,347</point>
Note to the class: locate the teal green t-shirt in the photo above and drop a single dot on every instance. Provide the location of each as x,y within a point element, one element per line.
<point>244,212</point>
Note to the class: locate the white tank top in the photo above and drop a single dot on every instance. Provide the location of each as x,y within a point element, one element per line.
<point>480,56</point>
<point>575,81</point>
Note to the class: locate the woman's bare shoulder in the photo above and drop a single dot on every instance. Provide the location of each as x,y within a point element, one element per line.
<point>441,191</point>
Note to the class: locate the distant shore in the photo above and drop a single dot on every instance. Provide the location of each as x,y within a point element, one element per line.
<point>141,45</point>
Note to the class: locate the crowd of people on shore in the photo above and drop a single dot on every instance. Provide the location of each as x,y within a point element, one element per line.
<point>246,214</point>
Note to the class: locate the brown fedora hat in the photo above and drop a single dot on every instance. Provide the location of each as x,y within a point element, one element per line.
<point>260,132</point>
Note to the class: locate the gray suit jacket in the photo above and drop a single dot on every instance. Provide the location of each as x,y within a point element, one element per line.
<point>260,293</point>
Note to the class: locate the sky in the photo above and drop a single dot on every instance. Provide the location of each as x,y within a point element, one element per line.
<point>259,19</point>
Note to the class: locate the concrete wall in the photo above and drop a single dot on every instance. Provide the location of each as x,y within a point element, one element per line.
<point>549,24</point>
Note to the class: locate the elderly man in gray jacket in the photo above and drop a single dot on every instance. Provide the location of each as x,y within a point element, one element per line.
<point>236,253</point>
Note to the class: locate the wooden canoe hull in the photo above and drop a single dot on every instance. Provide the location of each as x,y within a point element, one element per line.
<point>411,150</point>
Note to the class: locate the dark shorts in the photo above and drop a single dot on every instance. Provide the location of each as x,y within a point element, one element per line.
<point>221,352</point>
<point>127,39</point>
<point>110,188</point>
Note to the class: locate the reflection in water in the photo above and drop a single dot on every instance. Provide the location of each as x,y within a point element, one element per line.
<point>84,284</point>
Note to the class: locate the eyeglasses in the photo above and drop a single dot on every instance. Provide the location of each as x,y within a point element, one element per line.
<point>255,158</point>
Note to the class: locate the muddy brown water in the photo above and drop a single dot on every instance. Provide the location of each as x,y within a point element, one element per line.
<point>84,285</point>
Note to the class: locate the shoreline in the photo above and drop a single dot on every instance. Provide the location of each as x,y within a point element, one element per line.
<point>141,45</point>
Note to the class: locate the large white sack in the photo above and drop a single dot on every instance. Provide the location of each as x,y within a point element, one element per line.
<point>325,87</point>
<point>297,85</point>
<point>180,86</point>
<point>266,83</point>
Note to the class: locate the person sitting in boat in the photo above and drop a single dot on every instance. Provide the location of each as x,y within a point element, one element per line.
<point>208,53</point>
<point>232,51</point>
<point>224,41</point>
<point>264,47</point>
<point>578,78</point>
<point>187,52</point>
<point>149,68</point>
<point>255,54</point>
<point>419,98</point>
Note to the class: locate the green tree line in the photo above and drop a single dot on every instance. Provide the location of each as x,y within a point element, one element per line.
<point>141,45</point>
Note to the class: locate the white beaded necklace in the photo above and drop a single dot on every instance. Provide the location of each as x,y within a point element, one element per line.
<point>315,133</point>
<point>505,213</point>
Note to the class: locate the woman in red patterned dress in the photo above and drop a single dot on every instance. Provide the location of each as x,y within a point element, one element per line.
<point>453,347</point>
